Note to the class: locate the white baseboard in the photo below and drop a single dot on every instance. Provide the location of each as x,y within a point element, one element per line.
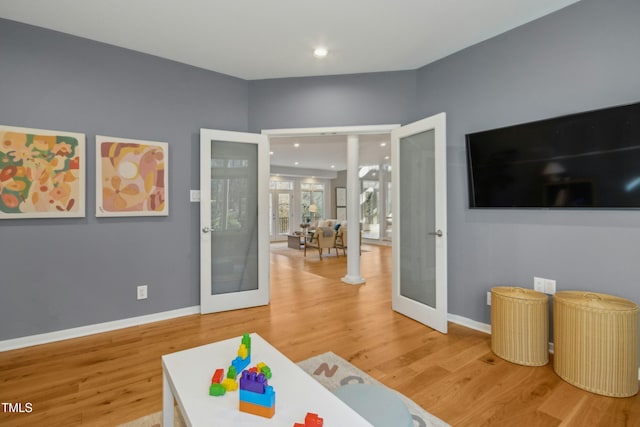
<point>472,324</point>
<point>82,331</point>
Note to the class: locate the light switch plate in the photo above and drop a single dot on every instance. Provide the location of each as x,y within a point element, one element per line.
<point>194,195</point>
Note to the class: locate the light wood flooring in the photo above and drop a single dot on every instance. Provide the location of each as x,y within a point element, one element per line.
<point>114,377</point>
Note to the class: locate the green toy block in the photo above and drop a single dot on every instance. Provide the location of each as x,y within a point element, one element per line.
<point>246,340</point>
<point>266,371</point>
<point>217,390</point>
<point>231,373</point>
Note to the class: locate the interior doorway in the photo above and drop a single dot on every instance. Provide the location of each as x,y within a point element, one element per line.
<point>318,155</point>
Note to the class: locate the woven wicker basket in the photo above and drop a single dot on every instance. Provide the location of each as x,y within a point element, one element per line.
<point>596,342</point>
<point>520,325</point>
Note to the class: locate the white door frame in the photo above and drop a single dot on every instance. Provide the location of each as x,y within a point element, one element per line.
<point>434,317</point>
<point>351,132</point>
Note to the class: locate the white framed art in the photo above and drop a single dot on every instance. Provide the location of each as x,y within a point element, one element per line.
<point>132,177</point>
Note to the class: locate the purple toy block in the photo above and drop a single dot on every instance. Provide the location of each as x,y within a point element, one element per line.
<point>252,381</point>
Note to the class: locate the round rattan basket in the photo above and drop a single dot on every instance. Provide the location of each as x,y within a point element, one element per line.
<point>596,342</point>
<point>520,325</point>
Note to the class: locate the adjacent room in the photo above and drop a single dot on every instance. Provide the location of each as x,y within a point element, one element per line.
<point>396,213</point>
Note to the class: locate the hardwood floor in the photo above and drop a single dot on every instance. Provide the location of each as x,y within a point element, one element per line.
<point>114,377</point>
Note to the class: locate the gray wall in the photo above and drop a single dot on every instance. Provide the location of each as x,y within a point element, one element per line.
<point>584,57</point>
<point>357,99</point>
<point>62,273</point>
<point>580,58</point>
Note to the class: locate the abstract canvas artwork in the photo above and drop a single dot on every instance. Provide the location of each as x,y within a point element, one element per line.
<point>42,173</point>
<point>131,177</point>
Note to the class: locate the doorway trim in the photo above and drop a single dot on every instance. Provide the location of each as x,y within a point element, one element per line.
<point>353,251</point>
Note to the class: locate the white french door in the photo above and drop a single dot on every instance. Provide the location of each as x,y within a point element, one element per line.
<point>234,226</point>
<point>281,214</point>
<point>419,283</point>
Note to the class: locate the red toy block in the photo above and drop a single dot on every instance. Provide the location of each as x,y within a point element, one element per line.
<point>311,420</point>
<point>217,376</point>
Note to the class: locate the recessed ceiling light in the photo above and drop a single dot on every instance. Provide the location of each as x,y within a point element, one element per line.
<point>333,166</point>
<point>383,144</point>
<point>320,52</point>
<point>296,145</point>
<point>271,153</point>
<point>296,163</point>
<point>386,157</point>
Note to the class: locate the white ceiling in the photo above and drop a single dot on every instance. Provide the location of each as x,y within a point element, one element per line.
<point>259,39</point>
<point>328,152</point>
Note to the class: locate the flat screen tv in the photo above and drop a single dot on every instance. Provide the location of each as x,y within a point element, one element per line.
<point>588,160</point>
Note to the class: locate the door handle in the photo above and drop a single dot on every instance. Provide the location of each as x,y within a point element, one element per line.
<point>436,233</point>
<point>206,229</point>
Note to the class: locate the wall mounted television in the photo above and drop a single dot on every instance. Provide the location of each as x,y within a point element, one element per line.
<point>589,160</point>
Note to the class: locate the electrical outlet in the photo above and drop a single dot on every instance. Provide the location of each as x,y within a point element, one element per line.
<point>488,297</point>
<point>142,292</point>
<point>549,286</point>
<point>538,284</point>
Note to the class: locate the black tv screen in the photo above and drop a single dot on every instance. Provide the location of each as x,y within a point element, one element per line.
<point>584,160</point>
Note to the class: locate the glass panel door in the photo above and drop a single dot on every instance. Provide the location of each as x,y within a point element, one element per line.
<point>234,264</point>
<point>281,214</point>
<point>419,222</point>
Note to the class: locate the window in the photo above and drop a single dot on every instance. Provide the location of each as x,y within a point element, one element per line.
<point>312,201</point>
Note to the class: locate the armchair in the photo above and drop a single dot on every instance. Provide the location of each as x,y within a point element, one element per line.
<point>323,237</point>
<point>341,240</point>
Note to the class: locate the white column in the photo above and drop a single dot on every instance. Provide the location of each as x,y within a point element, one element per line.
<point>353,214</point>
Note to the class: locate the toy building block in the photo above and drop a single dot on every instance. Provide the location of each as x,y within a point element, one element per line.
<point>217,376</point>
<point>232,372</point>
<point>311,420</point>
<point>264,369</point>
<point>267,372</point>
<point>253,381</point>
<point>217,389</point>
<point>246,340</point>
<point>229,384</point>
<point>259,410</point>
<point>240,364</point>
<point>268,398</point>
<point>243,351</point>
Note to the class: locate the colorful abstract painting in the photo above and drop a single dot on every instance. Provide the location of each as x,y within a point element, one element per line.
<point>131,177</point>
<point>42,173</point>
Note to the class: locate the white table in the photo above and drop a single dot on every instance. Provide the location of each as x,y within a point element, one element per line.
<point>187,377</point>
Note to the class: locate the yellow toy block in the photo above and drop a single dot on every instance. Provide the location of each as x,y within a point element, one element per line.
<point>243,352</point>
<point>229,384</point>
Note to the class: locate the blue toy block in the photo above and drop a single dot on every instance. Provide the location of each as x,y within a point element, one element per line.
<point>253,381</point>
<point>240,364</point>
<point>266,399</point>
